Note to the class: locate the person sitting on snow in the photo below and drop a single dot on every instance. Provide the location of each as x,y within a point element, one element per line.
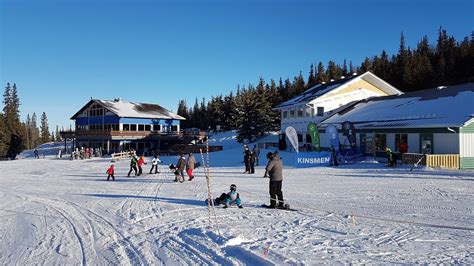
<point>229,198</point>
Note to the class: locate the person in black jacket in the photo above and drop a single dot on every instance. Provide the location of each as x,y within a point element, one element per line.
<point>247,157</point>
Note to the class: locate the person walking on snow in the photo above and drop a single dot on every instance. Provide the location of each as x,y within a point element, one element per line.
<point>274,170</point>
<point>110,172</point>
<point>36,154</point>
<point>154,164</point>
<point>256,152</point>
<point>133,165</point>
<point>190,165</point>
<point>140,162</point>
<point>180,168</point>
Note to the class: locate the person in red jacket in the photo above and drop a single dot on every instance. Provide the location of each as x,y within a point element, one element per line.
<point>140,162</point>
<point>110,172</point>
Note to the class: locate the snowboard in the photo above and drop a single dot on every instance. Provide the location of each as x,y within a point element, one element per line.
<point>285,207</point>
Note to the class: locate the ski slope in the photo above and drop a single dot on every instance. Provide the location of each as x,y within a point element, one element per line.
<point>56,211</point>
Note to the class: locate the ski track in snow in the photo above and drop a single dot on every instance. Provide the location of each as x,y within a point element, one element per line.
<point>64,212</point>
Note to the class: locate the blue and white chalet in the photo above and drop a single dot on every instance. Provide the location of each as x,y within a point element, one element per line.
<point>120,125</point>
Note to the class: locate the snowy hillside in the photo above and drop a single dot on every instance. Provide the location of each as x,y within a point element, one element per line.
<point>64,212</point>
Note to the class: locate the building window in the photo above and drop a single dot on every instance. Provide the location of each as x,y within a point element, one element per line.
<point>126,127</point>
<point>147,127</point>
<point>292,113</point>
<point>141,127</point>
<point>320,111</point>
<point>401,143</point>
<point>115,127</point>
<point>285,114</point>
<point>174,128</point>
<point>133,127</point>
<point>380,142</point>
<point>300,113</point>
<point>156,127</point>
<point>96,110</point>
<point>309,112</point>
<point>308,138</point>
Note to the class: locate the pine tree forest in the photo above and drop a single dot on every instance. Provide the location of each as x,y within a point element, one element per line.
<point>15,136</point>
<point>249,110</point>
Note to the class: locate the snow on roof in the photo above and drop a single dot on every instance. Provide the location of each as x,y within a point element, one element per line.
<point>448,106</point>
<point>313,92</point>
<point>135,110</point>
<point>321,89</point>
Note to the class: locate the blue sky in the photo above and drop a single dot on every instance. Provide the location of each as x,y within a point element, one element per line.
<point>62,53</point>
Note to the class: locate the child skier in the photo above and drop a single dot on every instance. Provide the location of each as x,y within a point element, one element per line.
<point>141,162</point>
<point>133,165</point>
<point>154,164</point>
<point>111,172</point>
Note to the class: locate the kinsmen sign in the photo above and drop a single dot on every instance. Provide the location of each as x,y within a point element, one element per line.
<point>312,159</point>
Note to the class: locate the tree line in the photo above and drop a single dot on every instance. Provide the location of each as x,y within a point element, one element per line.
<point>249,110</point>
<point>15,136</point>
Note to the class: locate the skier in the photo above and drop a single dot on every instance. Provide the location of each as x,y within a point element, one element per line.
<point>141,161</point>
<point>247,155</point>
<point>180,168</point>
<point>36,154</point>
<point>274,169</point>
<point>86,154</point>
<point>256,151</point>
<point>110,172</point>
<point>229,198</point>
<point>133,165</point>
<point>190,165</point>
<point>154,164</point>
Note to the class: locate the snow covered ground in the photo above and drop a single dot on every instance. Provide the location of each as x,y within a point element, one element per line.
<point>56,211</point>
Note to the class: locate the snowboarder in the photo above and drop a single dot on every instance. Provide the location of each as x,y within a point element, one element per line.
<point>229,198</point>
<point>274,169</point>
<point>133,165</point>
<point>247,155</point>
<point>190,165</point>
<point>232,198</point>
<point>179,172</point>
<point>110,172</point>
<point>154,164</point>
<point>140,162</point>
<point>391,157</point>
<point>256,152</point>
<point>36,154</point>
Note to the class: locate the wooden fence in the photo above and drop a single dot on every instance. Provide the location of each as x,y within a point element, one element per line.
<point>446,161</point>
<point>121,155</point>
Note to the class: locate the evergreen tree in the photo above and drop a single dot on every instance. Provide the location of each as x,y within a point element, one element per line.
<point>45,136</point>
<point>35,132</point>
<point>183,111</point>
<point>311,77</point>
<point>282,91</point>
<point>332,72</point>
<point>321,74</point>
<point>58,135</point>
<point>345,72</point>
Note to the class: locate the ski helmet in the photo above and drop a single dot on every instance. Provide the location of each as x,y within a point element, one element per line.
<point>233,187</point>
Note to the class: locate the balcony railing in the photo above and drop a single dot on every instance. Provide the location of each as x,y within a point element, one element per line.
<point>117,133</point>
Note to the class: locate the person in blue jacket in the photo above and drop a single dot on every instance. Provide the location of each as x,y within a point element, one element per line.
<point>232,197</point>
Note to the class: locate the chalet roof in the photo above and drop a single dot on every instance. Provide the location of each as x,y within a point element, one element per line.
<point>133,110</point>
<point>322,89</point>
<point>450,106</point>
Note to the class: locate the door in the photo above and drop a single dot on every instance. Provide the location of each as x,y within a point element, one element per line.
<point>426,143</point>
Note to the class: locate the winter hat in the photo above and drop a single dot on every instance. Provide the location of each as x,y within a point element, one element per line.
<point>233,187</point>
<point>270,155</point>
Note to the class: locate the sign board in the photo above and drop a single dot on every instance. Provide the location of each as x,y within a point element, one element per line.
<point>312,159</point>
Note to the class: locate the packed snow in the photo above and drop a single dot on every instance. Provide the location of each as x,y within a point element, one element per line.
<point>58,211</point>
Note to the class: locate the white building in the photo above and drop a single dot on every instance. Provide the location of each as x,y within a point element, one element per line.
<point>322,100</point>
